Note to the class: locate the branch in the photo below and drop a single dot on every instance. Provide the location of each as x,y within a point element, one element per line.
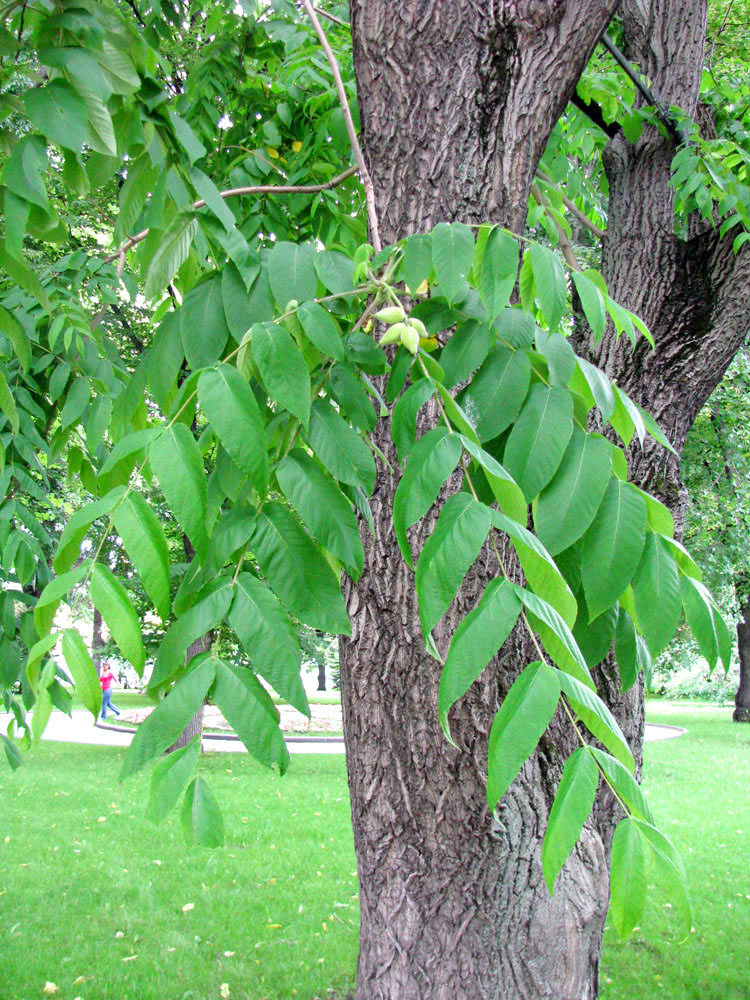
<point>573,209</point>
<point>565,245</point>
<point>372,216</point>
<point>331,17</point>
<point>235,192</point>
<point>594,113</point>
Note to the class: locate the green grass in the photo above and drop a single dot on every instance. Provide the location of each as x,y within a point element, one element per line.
<point>78,864</point>
<point>281,895</point>
<point>698,788</point>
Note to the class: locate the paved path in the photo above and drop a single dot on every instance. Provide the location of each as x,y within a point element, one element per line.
<point>80,729</point>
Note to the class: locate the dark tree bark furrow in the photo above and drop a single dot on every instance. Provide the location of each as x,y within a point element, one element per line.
<point>742,698</point>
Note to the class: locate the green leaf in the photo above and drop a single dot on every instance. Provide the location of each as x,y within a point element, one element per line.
<point>208,191</point>
<point>203,324</point>
<point>23,172</point>
<point>129,447</point>
<point>322,329</point>
<point>702,616</point>
<point>229,403</point>
<point>626,650</point>
<point>82,670</point>
<point>16,334</point>
<point>432,460</point>
<point>669,864</point>
<point>291,271</point>
<point>171,254</point>
<point>597,718</point>
<point>268,638</point>
<point>466,350</point>
<point>101,134</point>
<point>282,369</point>
<point>476,640</point>
<point>556,636</point>
<point>144,542</point>
<point>499,271</point>
<point>503,486</point>
<point>592,303</point>
<point>354,402</point>
<point>201,819</point>
<point>76,401</point>
<point>627,883</point>
<point>524,715</point>
<point>540,570</point>
<point>110,599</point>
<point>447,555</point>
<point>322,507</point>
<point>297,571</point>
<point>247,707</point>
<point>573,802</point>
<point>452,255</point>
<point>207,613</point>
<point>559,355</point>
<point>8,404</point>
<point>170,717</point>
<point>170,778</point>
<point>624,784</point>
<point>15,760</point>
<point>58,112</point>
<point>404,417</point>
<point>612,546</point>
<point>49,599</point>
<point>37,655</point>
<point>340,448</point>
<point>496,393</point>
<point>569,502</point>
<point>600,387</point>
<point>417,260</point>
<point>594,638</point>
<point>538,440</point>
<point>177,462</point>
<point>656,587</point>
<point>187,138</point>
<point>69,545</point>
<point>549,283</point>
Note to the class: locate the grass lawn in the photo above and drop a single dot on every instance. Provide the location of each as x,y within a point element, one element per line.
<point>698,789</point>
<point>89,889</point>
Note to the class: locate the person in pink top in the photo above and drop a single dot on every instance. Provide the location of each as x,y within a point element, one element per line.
<point>107,679</point>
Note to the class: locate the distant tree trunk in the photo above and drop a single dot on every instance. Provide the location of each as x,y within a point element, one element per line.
<point>201,645</point>
<point>742,698</point>
<point>195,725</point>
<point>97,640</point>
<point>321,676</point>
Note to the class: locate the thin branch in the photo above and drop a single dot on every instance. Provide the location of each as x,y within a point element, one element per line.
<point>372,216</point>
<point>595,114</point>
<point>710,62</point>
<point>238,192</point>
<point>331,17</point>
<point>565,245</point>
<point>572,208</point>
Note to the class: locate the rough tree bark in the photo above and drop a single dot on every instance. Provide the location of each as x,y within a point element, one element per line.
<point>456,103</point>
<point>201,645</point>
<point>742,698</point>
<point>97,640</point>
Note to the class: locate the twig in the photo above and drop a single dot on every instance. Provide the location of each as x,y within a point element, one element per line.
<point>235,192</point>
<point>565,245</point>
<point>710,62</point>
<point>372,216</point>
<point>331,17</point>
<point>572,208</point>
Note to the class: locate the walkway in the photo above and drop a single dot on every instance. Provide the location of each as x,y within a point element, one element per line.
<point>80,729</point>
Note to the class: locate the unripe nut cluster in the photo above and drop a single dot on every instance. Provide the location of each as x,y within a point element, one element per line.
<point>403,329</point>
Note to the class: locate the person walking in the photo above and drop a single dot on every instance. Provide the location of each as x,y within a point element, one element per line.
<point>107,679</point>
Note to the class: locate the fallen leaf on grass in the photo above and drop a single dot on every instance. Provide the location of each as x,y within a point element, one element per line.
<point>187,907</point>
<point>224,990</point>
<point>130,958</point>
<point>81,979</point>
<point>228,954</point>
<point>119,934</point>
<point>50,989</point>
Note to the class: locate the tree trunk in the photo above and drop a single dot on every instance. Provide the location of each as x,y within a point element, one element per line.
<point>321,677</point>
<point>742,698</point>
<point>195,725</point>
<point>453,903</point>
<point>97,640</point>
